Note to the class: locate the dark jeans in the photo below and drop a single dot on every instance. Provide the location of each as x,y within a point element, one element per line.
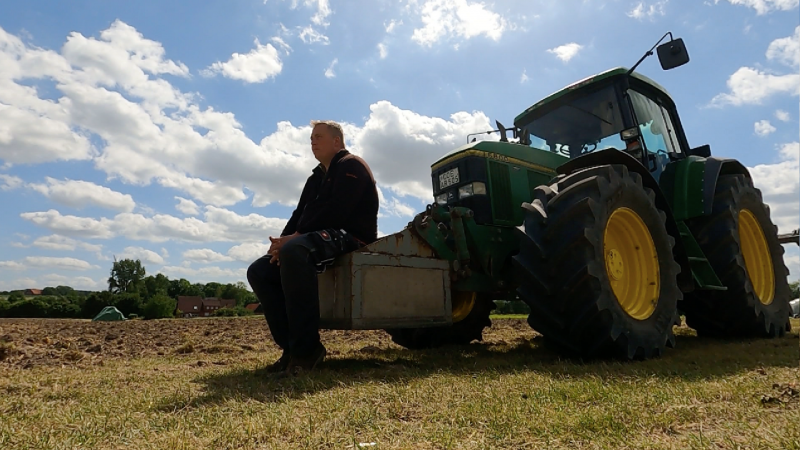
<point>289,293</point>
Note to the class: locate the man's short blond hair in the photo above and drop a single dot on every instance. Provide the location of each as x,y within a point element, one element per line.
<point>334,128</point>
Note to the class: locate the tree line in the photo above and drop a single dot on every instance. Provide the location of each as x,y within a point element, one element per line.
<point>130,290</point>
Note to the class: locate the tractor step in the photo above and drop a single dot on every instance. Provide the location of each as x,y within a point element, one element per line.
<point>704,276</point>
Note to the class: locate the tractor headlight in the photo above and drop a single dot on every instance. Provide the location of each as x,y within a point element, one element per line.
<point>441,199</point>
<point>476,188</point>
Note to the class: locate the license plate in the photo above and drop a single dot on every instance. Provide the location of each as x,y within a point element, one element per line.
<point>448,178</point>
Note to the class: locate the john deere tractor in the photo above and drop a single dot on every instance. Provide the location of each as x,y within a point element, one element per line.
<point>598,214</point>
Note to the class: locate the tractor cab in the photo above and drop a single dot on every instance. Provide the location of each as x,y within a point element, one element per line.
<point>616,109</point>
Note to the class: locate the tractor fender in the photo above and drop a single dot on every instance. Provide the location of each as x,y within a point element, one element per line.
<point>614,156</point>
<point>714,168</point>
<point>682,180</point>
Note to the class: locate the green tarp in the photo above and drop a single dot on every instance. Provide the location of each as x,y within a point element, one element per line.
<point>109,314</point>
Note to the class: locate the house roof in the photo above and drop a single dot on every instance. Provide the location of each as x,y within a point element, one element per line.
<point>228,302</point>
<point>34,291</point>
<point>211,301</point>
<point>252,306</point>
<point>187,303</point>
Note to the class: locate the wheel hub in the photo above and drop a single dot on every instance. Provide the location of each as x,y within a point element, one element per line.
<point>631,262</point>
<point>757,257</point>
<point>616,268</point>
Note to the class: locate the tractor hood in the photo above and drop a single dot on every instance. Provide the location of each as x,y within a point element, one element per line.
<point>520,155</point>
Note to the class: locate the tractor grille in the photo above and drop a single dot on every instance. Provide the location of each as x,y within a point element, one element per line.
<point>501,191</point>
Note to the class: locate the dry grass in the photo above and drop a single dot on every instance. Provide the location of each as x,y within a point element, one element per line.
<point>508,392</point>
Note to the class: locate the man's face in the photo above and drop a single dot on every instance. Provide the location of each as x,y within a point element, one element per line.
<point>323,144</point>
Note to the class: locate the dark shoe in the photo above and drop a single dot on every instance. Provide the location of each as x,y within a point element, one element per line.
<point>300,365</point>
<point>280,365</point>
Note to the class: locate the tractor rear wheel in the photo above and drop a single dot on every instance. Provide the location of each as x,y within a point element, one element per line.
<point>470,316</point>
<point>595,265</point>
<point>741,243</point>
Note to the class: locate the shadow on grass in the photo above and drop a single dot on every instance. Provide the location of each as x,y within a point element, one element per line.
<point>694,359</point>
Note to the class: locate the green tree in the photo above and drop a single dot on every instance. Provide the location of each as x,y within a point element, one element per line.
<point>4,305</point>
<point>159,307</point>
<point>128,303</point>
<point>95,303</point>
<point>16,296</point>
<point>155,285</point>
<point>795,287</point>
<point>212,289</point>
<point>127,275</point>
<point>49,290</point>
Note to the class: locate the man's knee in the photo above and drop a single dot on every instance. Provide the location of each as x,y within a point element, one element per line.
<point>260,271</point>
<point>296,251</point>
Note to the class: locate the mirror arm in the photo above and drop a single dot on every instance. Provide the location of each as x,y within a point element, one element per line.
<point>649,52</point>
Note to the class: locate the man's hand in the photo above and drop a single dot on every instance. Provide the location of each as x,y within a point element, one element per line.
<point>277,244</point>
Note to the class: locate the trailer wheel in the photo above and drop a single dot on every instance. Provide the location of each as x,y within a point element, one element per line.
<point>741,243</point>
<point>596,267</point>
<point>470,316</point>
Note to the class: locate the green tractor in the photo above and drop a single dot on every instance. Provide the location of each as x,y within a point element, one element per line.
<point>599,215</point>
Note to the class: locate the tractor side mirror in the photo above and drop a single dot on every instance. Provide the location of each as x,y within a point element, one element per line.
<point>672,54</point>
<point>703,150</point>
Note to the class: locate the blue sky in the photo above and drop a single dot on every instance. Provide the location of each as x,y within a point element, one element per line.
<point>177,132</point>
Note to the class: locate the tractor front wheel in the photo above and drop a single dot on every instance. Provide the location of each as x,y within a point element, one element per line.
<point>470,316</point>
<point>595,265</point>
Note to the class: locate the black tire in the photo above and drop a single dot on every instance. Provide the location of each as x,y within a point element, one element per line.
<point>737,312</point>
<point>462,332</point>
<point>561,266</point>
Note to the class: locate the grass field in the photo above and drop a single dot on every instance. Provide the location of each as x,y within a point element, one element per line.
<point>194,384</point>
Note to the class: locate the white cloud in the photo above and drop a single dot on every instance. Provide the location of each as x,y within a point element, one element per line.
<point>310,36</point>
<point>642,10</point>
<point>780,186</point>
<point>56,242</point>
<point>448,18</point>
<point>142,254</point>
<point>401,145</point>
<point>187,207</point>
<point>329,73</point>
<point>260,64</point>
<point>782,115</point>
<point>81,194</point>
<point>204,274</point>
<point>566,52</point>
<point>390,27</point>
<point>205,255</point>
<point>219,225</point>
<point>763,128</point>
<point>11,265</point>
<point>786,50</point>
<point>382,50</point>
<point>282,44</point>
<point>323,11</point>
<point>524,78</point>
<point>248,252</point>
<point>751,86</point>
<point>9,182</point>
<point>78,283</point>
<point>765,6</point>
<point>39,262</point>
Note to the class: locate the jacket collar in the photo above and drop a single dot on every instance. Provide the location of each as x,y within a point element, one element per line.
<point>320,169</point>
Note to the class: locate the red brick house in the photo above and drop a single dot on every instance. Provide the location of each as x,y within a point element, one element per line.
<point>190,305</point>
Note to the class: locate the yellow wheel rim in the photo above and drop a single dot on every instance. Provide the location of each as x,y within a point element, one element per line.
<point>757,257</point>
<point>631,263</point>
<point>463,302</point>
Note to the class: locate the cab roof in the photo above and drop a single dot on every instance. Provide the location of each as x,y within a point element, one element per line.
<point>618,71</point>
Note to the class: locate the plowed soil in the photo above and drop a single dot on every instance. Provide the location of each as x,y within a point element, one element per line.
<point>28,343</point>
